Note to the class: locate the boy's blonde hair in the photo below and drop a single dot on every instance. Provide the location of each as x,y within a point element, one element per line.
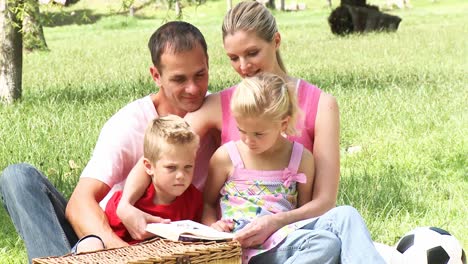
<point>164,131</point>
<point>251,16</point>
<point>266,95</point>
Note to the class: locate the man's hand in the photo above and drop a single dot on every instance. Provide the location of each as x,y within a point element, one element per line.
<point>257,231</point>
<point>136,220</point>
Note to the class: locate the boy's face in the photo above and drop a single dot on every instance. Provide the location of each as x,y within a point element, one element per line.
<point>173,172</point>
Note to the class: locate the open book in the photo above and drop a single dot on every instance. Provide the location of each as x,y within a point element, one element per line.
<point>187,230</point>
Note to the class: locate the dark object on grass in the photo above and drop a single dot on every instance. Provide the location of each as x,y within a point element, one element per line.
<point>355,16</point>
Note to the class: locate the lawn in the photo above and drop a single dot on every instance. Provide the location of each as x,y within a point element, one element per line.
<point>403,103</point>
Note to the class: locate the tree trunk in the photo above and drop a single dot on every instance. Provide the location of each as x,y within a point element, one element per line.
<point>11,53</point>
<point>178,9</point>
<point>271,4</point>
<point>282,5</point>
<point>33,33</point>
<point>229,4</point>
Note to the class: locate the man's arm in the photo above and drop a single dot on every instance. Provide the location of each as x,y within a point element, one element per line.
<point>86,216</point>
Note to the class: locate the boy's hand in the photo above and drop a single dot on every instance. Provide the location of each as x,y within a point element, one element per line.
<point>223,225</point>
<point>136,220</point>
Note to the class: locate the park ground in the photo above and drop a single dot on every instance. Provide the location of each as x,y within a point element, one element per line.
<point>402,97</point>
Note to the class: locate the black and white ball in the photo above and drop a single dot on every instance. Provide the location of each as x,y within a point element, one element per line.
<point>430,245</point>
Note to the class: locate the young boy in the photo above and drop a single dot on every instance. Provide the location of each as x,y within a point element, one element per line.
<point>169,150</point>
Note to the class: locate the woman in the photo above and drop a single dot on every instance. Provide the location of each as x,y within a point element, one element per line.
<point>252,41</point>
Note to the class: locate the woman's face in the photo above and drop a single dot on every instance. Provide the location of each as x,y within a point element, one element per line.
<point>250,54</point>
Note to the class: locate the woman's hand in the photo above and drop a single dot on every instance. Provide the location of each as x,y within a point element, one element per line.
<point>257,231</point>
<point>223,225</point>
<point>136,220</point>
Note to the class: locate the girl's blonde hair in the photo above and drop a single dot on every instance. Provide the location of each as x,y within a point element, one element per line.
<point>252,16</point>
<point>268,96</point>
<point>165,131</point>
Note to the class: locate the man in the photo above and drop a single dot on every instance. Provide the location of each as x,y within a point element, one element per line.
<point>180,69</point>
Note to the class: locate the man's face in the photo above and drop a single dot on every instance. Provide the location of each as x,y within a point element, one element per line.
<point>183,80</point>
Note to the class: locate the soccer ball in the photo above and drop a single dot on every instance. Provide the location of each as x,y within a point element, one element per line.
<point>430,245</point>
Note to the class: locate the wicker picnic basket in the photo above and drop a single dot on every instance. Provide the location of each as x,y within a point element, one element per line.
<point>157,251</point>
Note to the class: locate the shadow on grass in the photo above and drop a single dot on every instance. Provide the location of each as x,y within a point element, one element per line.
<point>76,17</point>
<point>82,17</point>
<point>91,93</point>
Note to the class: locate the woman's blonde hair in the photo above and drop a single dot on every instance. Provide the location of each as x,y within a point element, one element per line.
<point>251,16</point>
<point>165,131</point>
<point>268,96</point>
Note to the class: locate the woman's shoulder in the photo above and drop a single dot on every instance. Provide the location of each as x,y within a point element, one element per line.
<point>326,99</point>
<point>328,102</point>
<point>226,93</point>
<point>301,83</point>
<point>211,104</point>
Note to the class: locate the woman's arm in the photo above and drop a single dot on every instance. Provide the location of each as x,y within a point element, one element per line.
<point>219,169</point>
<point>326,155</point>
<point>326,159</point>
<point>208,117</point>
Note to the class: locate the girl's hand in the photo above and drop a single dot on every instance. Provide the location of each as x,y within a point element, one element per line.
<point>223,225</point>
<point>257,231</point>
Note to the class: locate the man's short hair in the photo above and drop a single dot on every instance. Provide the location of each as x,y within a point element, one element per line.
<point>175,36</point>
<point>165,131</point>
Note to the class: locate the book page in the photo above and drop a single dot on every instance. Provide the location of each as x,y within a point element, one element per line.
<point>189,229</point>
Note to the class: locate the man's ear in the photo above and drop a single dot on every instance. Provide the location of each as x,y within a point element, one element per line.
<point>148,166</point>
<point>156,75</point>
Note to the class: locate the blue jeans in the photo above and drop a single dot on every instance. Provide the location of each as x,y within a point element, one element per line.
<point>37,210</point>
<point>341,229</point>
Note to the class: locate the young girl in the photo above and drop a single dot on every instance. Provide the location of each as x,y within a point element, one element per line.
<point>264,175</point>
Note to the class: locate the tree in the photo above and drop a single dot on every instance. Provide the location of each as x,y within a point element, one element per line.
<point>271,4</point>
<point>11,53</point>
<point>33,33</point>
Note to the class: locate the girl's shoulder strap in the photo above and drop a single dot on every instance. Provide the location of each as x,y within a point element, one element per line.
<point>296,156</point>
<point>234,154</point>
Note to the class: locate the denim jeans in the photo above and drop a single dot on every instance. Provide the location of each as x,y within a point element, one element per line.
<point>37,210</point>
<point>341,229</point>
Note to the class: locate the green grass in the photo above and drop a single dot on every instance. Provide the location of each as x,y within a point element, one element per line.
<point>402,98</point>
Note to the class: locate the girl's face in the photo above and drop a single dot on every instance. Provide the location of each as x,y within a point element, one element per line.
<point>250,54</point>
<point>259,134</point>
